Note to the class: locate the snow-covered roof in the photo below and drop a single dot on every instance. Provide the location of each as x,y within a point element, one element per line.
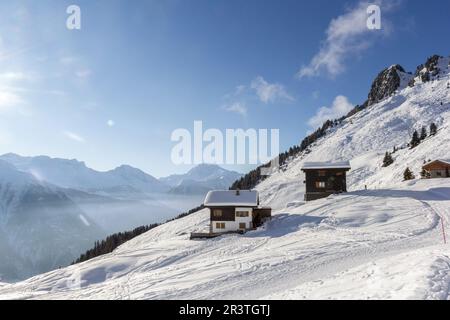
<point>245,198</point>
<point>326,165</point>
<point>446,161</point>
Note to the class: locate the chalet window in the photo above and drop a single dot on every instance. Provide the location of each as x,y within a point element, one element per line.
<point>320,184</point>
<point>438,173</point>
<point>217,213</point>
<point>242,213</point>
<point>322,173</point>
<point>220,225</point>
<point>339,173</point>
<point>241,225</point>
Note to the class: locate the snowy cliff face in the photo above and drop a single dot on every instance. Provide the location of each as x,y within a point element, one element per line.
<point>433,68</point>
<point>387,82</point>
<point>35,221</point>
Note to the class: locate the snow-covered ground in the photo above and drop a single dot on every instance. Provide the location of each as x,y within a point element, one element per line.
<point>364,244</point>
<point>386,242</point>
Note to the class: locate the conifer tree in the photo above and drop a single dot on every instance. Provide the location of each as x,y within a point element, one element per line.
<point>423,133</point>
<point>415,140</point>
<point>387,161</point>
<point>424,174</point>
<point>433,129</point>
<point>408,175</point>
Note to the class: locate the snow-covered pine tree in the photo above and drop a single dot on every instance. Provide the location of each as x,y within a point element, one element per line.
<point>423,133</point>
<point>424,174</point>
<point>388,160</point>
<point>408,175</point>
<point>433,129</point>
<point>415,140</point>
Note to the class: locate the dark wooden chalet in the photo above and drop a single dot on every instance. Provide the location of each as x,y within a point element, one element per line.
<point>324,178</point>
<point>437,169</point>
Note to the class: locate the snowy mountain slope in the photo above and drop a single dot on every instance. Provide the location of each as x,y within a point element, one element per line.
<point>366,136</point>
<point>201,179</point>
<point>40,227</point>
<point>420,274</point>
<point>356,235</point>
<point>75,174</point>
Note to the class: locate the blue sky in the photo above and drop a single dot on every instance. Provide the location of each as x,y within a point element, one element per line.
<point>113,92</point>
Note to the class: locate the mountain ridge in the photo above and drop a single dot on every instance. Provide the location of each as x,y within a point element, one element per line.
<point>201,179</point>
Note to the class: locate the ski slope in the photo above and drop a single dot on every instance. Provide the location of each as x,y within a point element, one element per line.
<point>385,242</point>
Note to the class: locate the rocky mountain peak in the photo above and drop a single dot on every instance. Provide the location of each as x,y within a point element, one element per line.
<point>385,84</point>
<point>430,70</point>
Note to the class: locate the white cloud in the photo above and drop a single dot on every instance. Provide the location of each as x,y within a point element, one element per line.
<point>341,106</point>
<point>110,123</point>
<point>269,92</point>
<point>9,100</point>
<point>346,36</point>
<point>83,73</point>
<point>259,89</point>
<point>14,76</point>
<point>237,107</point>
<point>73,136</point>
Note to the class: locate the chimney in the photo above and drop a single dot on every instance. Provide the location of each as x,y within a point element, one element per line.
<point>238,192</point>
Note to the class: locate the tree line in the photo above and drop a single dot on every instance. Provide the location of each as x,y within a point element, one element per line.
<point>416,139</point>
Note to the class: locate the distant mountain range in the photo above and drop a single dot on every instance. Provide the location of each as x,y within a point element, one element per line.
<point>124,181</point>
<point>201,179</point>
<point>75,174</point>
